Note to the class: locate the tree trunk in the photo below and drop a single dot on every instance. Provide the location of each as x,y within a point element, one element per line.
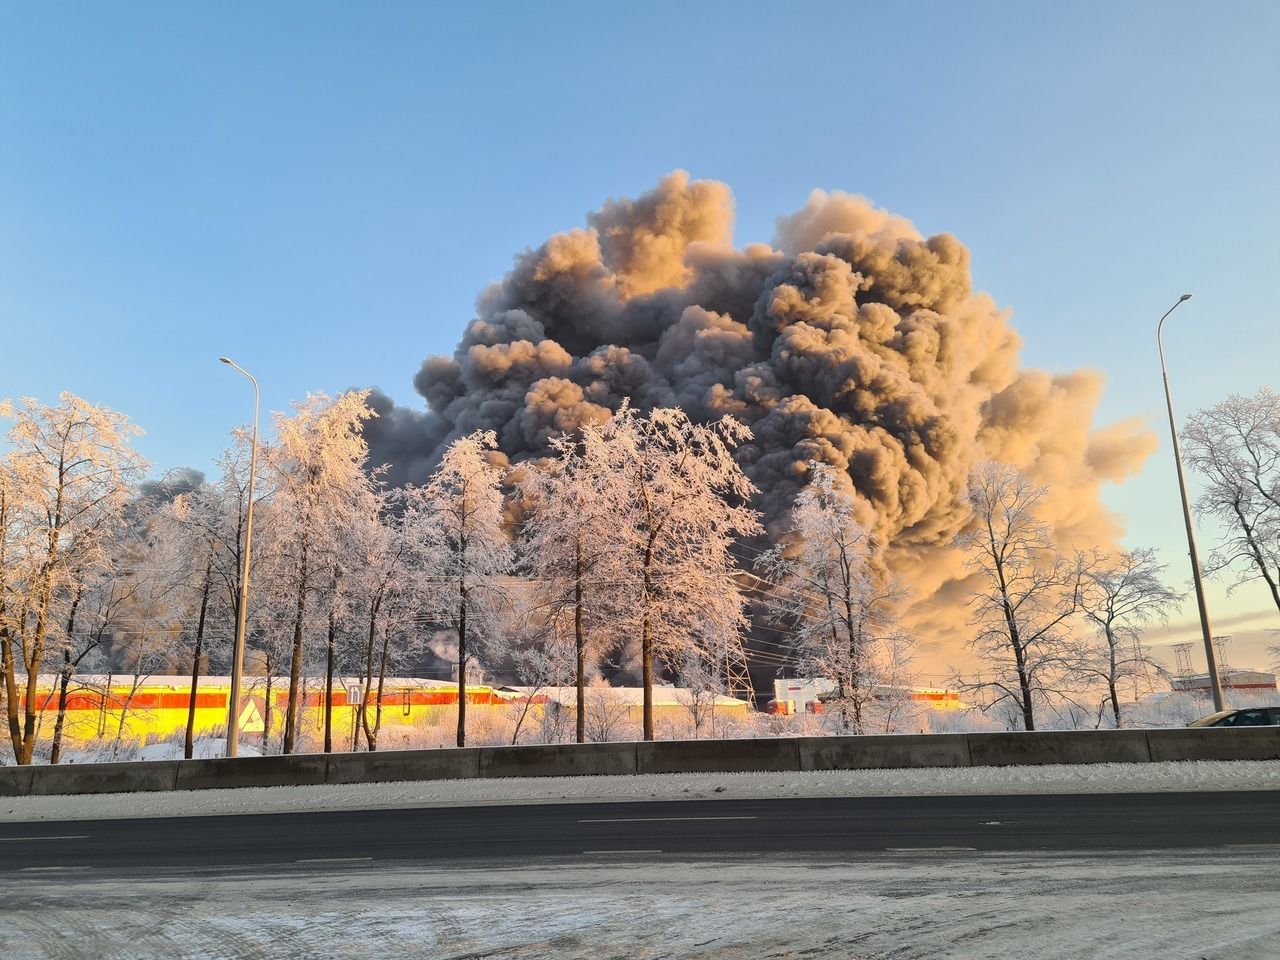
<point>124,713</point>
<point>1113,676</point>
<point>328,687</point>
<point>462,664</point>
<point>370,736</point>
<point>1255,554</point>
<point>11,694</point>
<point>382,679</point>
<point>65,680</point>
<point>580,648</point>
<point>1115,704</point>
<point>646,642</point>
<point>295,665</point>
<point>855,641</point>
<point>6,643</point>
<point>188,746</point>
<point>266,712</point>
<point>1024,684</point>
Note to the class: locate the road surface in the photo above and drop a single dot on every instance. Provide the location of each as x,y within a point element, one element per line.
<point>1109,877</point>
<point>831,827</point>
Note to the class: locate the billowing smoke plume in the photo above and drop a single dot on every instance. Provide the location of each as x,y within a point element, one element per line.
<point>853,341</point>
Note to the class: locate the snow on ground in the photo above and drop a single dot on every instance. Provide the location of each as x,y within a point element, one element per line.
<point>202,748</point>
<point>1057,778</point>
<point>1210,905</point>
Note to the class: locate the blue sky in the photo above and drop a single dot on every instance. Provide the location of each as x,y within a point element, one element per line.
<point>321,190</point>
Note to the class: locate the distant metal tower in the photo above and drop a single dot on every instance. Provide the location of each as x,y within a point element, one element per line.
<point>737,678</point>
<point>1182,657</point>
<point>1144,667</point>
<point>1221,643</point>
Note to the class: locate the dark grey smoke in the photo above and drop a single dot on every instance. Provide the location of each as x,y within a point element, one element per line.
<point>853,340</point>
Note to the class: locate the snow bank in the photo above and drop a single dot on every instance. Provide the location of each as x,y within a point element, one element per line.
<point>975,781</point>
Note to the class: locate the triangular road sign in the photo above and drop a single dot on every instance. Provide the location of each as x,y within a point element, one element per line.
<point>250,719</point>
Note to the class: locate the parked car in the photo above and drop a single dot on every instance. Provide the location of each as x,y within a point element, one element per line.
<point>1252,717</point>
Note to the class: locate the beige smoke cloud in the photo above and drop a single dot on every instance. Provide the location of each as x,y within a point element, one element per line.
<point>853,340</point>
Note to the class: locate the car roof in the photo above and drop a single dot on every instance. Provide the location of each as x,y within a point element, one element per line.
<point>1206,720</point>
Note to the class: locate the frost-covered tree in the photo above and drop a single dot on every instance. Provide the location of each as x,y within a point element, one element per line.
<point>459,535</point>
<point>842,607</point>
<point>99,598</point>
<point>575,551</point>
<point>1122,593</point>
<point>682,504</point>
<point>318,465</point>
<point>206,526</point>
<point>388,598</point>
<point>65,482</point>
<point>1235,447</point>
<point>150,624</point>
<point>1026,591</point>
<point>607,711</point>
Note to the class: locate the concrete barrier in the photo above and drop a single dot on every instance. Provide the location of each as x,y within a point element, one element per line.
<point>383,766</point>
<point>299,769</point>
<point>127,777</point>
<point>559,760</point>
<point>1262,743</point>
<point>717,756</point>
<point>883,752</point>
<point>1058,746</point>
<point>669,756</point>
<point>15,781</point>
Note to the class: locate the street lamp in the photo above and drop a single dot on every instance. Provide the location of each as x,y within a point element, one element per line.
<point>242,613</point>
<point>1215,684</point>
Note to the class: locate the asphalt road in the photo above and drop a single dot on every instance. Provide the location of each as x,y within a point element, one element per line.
<point>835,827</point>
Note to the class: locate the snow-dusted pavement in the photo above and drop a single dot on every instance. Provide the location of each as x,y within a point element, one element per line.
<point>957,904</point>
<point>1190,905</point>
<point>934,781</point>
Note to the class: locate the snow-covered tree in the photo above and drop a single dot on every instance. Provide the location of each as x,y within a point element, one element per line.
<point>574,550</point>
<point>1235,447</point>
<point>318,464</point>
<point>200,530</point>
<point>99,597</point>
<point>1026,592</point>
<point>682,504</point>
<point>389,596</point>
<point>841,605</point>
<point>1121,593</point>
<point>65,482</point>
<point>206,526</point>
<point>458,530</point>
<point>607,711</point>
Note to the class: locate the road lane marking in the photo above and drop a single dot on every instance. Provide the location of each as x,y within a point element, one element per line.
<point>1251,846</point>
<point>606,852</point>
<point>661,819</point>
<point>51,869</point>
<point>334,860</point>
<point>30,839</point>
<point>930,849</point>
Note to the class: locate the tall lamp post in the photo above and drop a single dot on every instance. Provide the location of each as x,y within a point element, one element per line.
<point>1215,684</point>
<point>242,605</point>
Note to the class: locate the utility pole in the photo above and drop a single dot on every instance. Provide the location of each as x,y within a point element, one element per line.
<point>242,604</point>
<point>1215,684</point>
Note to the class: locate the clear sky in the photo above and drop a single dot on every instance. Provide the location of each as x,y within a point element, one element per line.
<point>321,189</point>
